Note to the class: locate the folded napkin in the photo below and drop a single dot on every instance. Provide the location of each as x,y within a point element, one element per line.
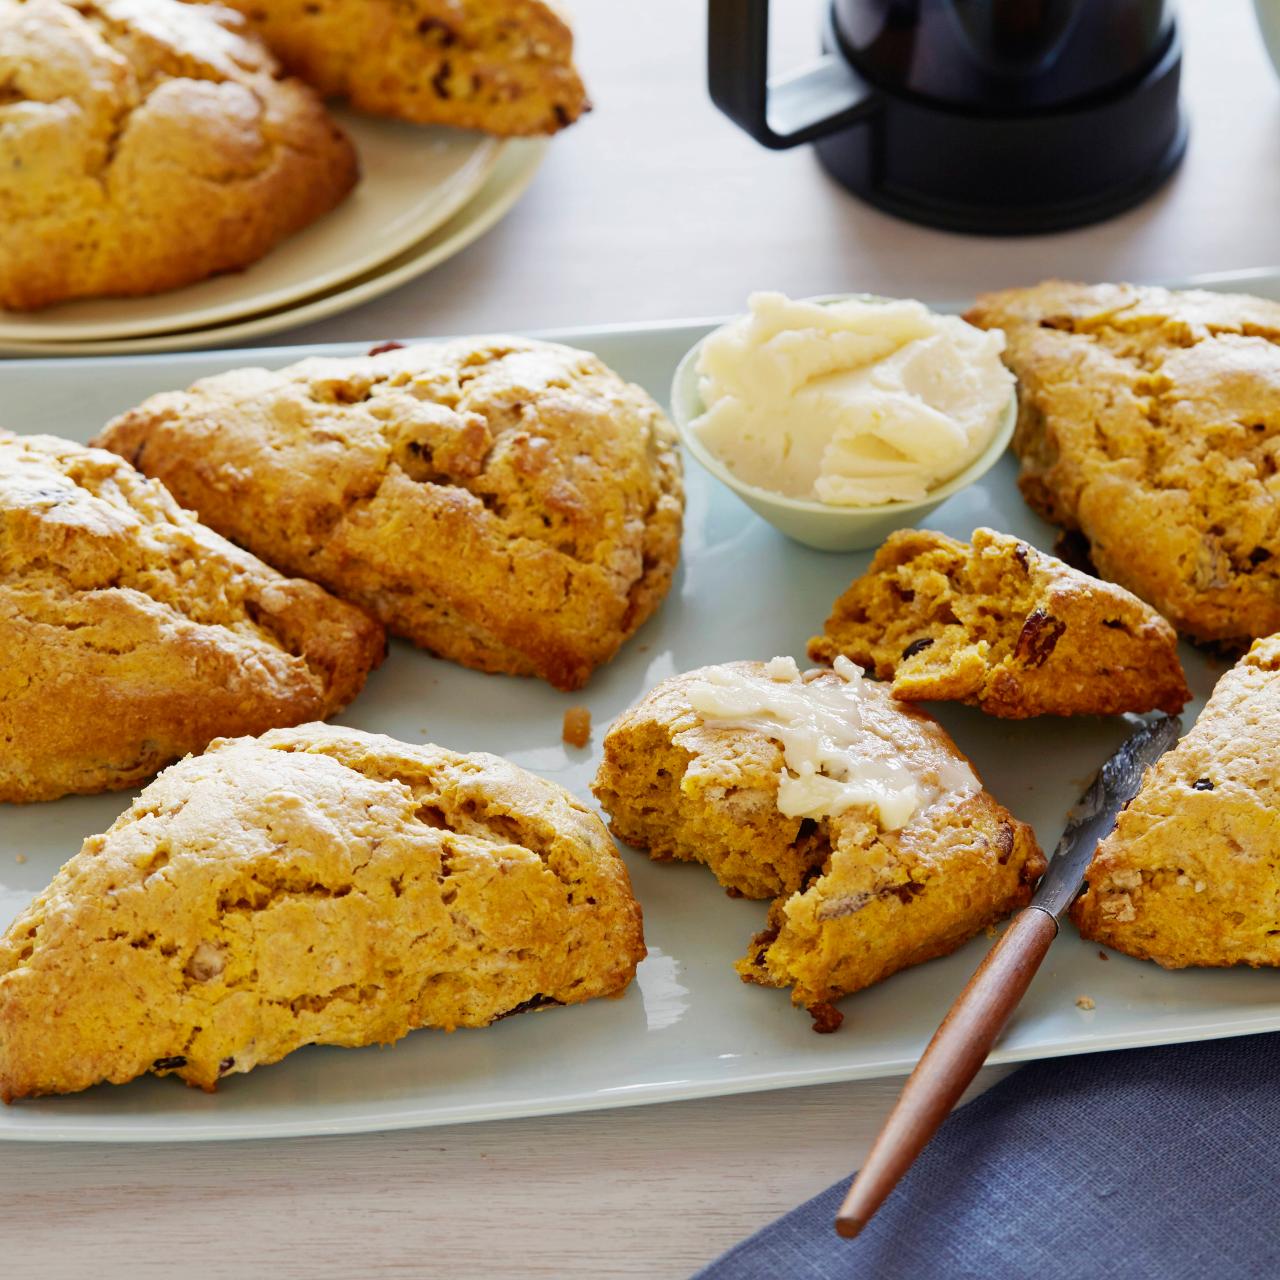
<point>1160,1163</point>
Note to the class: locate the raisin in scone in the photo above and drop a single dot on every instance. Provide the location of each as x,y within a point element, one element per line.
<point>1149,421</point>
<point>146,144</point>
<point>1189,875</point>
<point>130,634</point>
<point>855,811</point>
<point>316,885</point>
<point>503,66</point>
<point>512,505</point>
<point>1001,626</point>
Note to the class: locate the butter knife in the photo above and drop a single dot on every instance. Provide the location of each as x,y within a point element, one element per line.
<point>961,1044</point>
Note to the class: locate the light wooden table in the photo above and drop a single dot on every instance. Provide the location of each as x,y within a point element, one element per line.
<point>653,207</point>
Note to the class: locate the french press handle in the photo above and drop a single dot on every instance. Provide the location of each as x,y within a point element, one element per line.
<point>816,100</point>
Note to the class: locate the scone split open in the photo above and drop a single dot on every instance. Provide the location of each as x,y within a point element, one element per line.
<point>316,885</point>
<point>854,901</point>
<point>997,624</point>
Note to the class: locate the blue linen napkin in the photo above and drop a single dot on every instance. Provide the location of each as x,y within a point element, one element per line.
<point>1147,1164</point>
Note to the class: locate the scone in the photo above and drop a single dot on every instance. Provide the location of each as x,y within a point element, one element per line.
<point>1149,420</point>
<point>130,634</point>
<point>512,505</point>
<point>856,810</point>
<point>313,886</point>
<point>1004,627</point>
<point>146,144</point>
<point>689,791</point>
<point>503,66</point>
<point>1191,873</point>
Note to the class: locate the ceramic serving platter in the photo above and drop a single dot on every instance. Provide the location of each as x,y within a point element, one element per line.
<point>412,180</point>
<point>687,1027</point>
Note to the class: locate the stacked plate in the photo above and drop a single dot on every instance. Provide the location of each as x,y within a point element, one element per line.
<point>424,195</point>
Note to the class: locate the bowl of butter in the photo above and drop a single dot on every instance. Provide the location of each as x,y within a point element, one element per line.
<point>839,420</point>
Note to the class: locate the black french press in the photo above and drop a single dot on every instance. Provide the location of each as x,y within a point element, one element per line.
<point>995,116</point>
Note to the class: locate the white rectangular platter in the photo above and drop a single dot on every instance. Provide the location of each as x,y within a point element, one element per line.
<point>688,1027</point>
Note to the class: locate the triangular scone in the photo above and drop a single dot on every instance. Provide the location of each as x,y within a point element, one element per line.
<point>130,634</point>
<point>1191,873</point>
<point>1149,420</point>
<point>862,894</point>
<point>503,66</point>
<point>512,505</point>
<point>313,886</point>
<point>999,625</point>
<point>147,144</point>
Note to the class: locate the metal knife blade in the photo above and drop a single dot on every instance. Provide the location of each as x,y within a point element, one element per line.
<point>960,1045</point>
<point>1096,812</point>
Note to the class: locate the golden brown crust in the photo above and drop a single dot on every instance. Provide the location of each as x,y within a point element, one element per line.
<point>890,900</point>
<point>146,144</point>
<point>316,885</point>
<point>1150,421</point>
<point>512,505</point>
<point>1001,626</point>
<point>132,634</point>
<point>855,903</point>
<point>1189,875</point>
<point>503,66</point>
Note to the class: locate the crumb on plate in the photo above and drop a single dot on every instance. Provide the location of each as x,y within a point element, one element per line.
<point>1084,1002</point>
<point>577,726</point>
<point>826,1017</point>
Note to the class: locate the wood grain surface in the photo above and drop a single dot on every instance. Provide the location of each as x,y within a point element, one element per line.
<point>648,1192</point>
<point>653,207</point>
<point>949,1065</point>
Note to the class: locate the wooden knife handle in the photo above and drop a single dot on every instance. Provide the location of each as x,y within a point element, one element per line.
<point>958,1048</point>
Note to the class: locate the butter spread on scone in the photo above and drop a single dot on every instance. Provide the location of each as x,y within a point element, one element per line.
<point>1189,875</point>
<point>854,901</point>
<point>130,634</point>
<point>1149,420</point>
<point>839,746</point>
<point>502,66</point>
<point>512,505</point>
<point>146,144</point>
<point>316,885</point>
<point>1004,627</point>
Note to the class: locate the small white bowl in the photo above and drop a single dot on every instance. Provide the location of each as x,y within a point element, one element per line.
<point>819,524</point>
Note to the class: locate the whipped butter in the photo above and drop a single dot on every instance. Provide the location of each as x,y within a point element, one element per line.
<point>853,403</point>
<point>839,745</point>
